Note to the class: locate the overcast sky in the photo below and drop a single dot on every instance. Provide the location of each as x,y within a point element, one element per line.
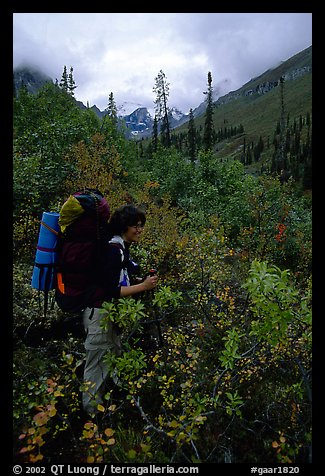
<point>124,52</point>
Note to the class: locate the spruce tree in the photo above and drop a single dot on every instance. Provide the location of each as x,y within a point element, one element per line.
<point>64,80</point>
<point>110,121</point>
<point>71,83</point>
<point>191,137</point>
<point>155,134</point>
<point>161,89</point>
<point>208,124</point>
<point>112,109</point>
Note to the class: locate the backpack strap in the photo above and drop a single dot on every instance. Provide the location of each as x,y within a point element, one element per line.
<point>121,248</point>
<point>124,275</point>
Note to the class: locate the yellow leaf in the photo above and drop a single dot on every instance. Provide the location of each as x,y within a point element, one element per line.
<point>145,448</point>
<point>112,408</point>
<point>111,441</point>
<point>200,418</point>
<point>173,424</point>
<point>181,436</point>
<point>88,424</point>
<point>26,448</point>
<point>90,459</point>
<point>109,432</point>
<point>275,444</point>
<point>38,457</point>
<point>100,408</point>
<point>51,410</point>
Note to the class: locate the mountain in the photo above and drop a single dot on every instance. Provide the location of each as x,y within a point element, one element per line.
<point>136,124</point>
<point>244,105</point>
<point>176,117</point>
<point>257,106</point>
<point>139,122</point>
<point>32,78</point>
<point>97,111</point>
<point>293,68</point>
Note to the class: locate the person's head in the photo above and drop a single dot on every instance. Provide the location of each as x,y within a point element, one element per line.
<point>128,222</point>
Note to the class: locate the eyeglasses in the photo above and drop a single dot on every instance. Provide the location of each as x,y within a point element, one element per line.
<point>138,227</point>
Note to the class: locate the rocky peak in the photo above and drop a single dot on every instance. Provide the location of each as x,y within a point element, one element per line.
<point>32,78</point>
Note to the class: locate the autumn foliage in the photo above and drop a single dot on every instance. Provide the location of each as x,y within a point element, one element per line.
<point>231,381</point>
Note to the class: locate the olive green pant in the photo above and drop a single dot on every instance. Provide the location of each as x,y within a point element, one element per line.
<point>97,343</point>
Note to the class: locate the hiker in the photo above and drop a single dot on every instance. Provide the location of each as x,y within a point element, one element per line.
<point>115,279</point>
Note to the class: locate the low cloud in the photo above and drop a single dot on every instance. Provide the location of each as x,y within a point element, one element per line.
<point>123,52</point>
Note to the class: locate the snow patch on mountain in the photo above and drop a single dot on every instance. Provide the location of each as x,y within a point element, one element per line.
<point>126,108</point>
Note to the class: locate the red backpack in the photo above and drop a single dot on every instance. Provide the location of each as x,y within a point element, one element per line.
<point>83,222</point>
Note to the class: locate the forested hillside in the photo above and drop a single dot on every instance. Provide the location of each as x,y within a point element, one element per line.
<point>231,382</point>
<point>247,121</point>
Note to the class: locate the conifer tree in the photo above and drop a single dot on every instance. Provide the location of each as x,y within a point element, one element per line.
<point>71,83</point>
<point>208,125</point>
<point>64,80</point>
<point>161,89</point>
<point>110,120</point>
<point>191,137</point>
<point>155,134</point>
<point>112,109</point>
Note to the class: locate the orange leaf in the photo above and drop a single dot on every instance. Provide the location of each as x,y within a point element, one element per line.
<point>41,418</point>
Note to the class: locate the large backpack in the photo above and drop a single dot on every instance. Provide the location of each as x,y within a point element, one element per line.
<point>83,224</point>
<point>68,250</point>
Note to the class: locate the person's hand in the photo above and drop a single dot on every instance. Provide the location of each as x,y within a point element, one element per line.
<point>150,282</point>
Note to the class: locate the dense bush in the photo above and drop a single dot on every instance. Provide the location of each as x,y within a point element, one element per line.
<point>231,381</point>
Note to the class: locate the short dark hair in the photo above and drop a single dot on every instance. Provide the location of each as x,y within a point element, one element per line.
<point>125,216</point>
